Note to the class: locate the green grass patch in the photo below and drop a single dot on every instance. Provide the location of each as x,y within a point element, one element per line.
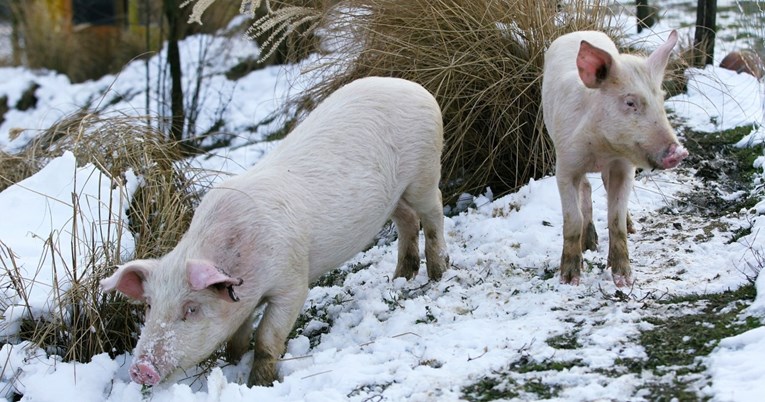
<point>523,378</point>
<point>541,390</point>
<point>568,340</point>
<point>726,167</point>
<point>674,345</point>
<point>491,389</point>
<point>740,233</point>
<point>546,365</point>
<point>502,387</point>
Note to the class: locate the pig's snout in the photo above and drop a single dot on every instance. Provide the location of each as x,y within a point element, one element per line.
<point>672,157</point>
<point>143,372</point>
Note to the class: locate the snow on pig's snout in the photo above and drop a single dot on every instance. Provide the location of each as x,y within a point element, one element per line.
<point>143,372</point>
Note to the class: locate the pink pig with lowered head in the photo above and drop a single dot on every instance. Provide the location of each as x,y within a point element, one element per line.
<point>604,112</point>
<point>371,151</point>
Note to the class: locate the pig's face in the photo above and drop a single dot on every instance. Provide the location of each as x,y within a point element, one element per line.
<point>630,114</point>
<point>190,312</point>
<point>634,121</point>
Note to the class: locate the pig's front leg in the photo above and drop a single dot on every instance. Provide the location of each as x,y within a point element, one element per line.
<point>279,317</point>
<point>620,178</point>
<point>630,225</point>
<point>571,259</point>
<point>239,342</point>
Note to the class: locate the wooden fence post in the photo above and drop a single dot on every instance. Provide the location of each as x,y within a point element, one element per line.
<point>704,37</point>
<point>646,15</point>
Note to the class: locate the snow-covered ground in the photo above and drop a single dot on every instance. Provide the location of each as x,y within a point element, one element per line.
<point>374,339</point>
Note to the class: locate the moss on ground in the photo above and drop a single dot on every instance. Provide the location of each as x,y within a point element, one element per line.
<point>675,345</point>
<point>568,340</point>
<point>722,167</point>
<point>522,378</point>
<point>491,389</point>
<point>673,369</point>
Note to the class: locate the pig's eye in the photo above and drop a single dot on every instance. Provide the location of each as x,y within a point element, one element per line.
<point>190,310</point>
<point>631,103</point>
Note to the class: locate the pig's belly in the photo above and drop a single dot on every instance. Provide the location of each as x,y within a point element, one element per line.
<point>345,232</point>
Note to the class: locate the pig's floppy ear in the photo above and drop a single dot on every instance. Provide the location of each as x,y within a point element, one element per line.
<point>129,278</point>
<point>657,61</point>
<point>593,64</point>
<point>204,274</point>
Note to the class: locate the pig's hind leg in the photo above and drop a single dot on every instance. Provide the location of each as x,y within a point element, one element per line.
<point>425,198</point>
<point>408,228</point>
<point>421,202</point>
<point>282,310</point>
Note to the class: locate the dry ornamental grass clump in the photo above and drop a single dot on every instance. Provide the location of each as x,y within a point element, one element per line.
<point>483,62</point>
<point>85,321</point>
<point>162,207</point>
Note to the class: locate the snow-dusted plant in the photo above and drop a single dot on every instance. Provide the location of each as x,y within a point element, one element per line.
<point>111,188</point>
<point>272,25</point>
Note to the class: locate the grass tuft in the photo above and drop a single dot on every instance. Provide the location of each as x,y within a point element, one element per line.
<point>84,321</point>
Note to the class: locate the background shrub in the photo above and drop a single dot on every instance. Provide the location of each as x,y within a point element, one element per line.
<point>481,59</point>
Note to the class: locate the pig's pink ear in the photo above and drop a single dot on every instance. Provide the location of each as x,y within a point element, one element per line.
<point>129,278</point>
<point>657,61</point>
<point>593,64</point>
<point>204,274</point>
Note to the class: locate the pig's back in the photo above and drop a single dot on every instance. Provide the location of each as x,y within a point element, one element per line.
<point>343,169</point>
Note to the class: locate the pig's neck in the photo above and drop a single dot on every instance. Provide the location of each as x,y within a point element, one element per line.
<point>592,148</point>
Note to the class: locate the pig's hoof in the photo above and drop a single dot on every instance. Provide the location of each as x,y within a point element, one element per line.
<point>620,268</point>
<point>263,373</point>
<point>574,280</point>
<point>408,266</point>
<point>590,238</point>
<point>570,269</point>
<point>437,268</point>
<point>622,280</point>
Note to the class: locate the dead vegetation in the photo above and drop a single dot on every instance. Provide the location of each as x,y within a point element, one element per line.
<point>481,59</point>
<point>86,322</point>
